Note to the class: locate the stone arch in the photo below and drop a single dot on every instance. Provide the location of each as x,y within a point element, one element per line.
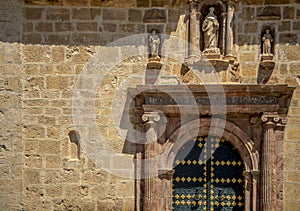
<point>231,132</point>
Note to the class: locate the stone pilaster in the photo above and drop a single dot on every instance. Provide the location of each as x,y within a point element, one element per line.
<point>149,168</point>
<point>268,162</point>
<point>248,187</point>
<point>255,187</point>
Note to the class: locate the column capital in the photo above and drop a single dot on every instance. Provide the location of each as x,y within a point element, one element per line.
<point>151,117</point>
<point>273,118</point>
<point>255,120</point>
<point>255,174</point>
<point>270,117</point>
<point>247,175</point>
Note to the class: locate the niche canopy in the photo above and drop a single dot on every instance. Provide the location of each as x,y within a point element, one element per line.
<point>210,29</point>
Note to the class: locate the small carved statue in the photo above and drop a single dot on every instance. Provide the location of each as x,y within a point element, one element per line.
<point>154,42</point>
<point>210,27</point>
<point>267,40</point>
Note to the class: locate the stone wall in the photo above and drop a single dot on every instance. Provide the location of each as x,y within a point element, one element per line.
<point>45,46</point>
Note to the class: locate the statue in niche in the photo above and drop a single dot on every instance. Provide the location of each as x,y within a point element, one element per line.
<point>267,40</point>
<point>154,42</point>
<point>210,27</point>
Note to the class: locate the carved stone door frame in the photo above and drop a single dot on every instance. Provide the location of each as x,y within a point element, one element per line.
<point>255,117</point>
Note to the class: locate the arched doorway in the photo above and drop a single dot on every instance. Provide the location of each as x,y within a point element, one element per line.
<point>208,176</point>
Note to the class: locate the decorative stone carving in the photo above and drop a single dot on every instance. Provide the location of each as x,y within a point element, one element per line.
<point>154,16</point>
<point>210,28</point>
<point>235,72</point>
<point>154,65</point>
<point>267,40</point>
<point>269,13</point>
<point>229,30</point>
<point>154,44</point>
<point>267,64</point>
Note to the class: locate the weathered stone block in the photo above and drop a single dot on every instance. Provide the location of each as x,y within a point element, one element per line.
<point>50,147</point>
<point>36,53</point>
<point>34,131</point>
<point>143,3</point>
<point>127,28</point>
<point>288,12</point>
<point>285,26</point>
<point>53,161</point>
<point>295,69</point>
<point>296,25</point>
<point>5,170</point>
<point>289,53</point>
<point>135,15</point>
<point>60,82</point>
<point>160,3</point>
<point>31,176</point>
<point>290,38</point>
<point>58,39</point>
<point>108,27</point>
<point>32,38</point>
<point>74,191</point>
<point>64,26</point>
<point>58,14</point>
<point>27,27</point>
<point>115,14</point>
<point>86,13</point>
<point>54,191</point>
<point>33,161</point>
<point>247,13</point>
<point>10,186</point>
<point>58,54</point>
<point>87,26</point>
<point>31,147</point>
<point>32,13</point>
<point>43,27</point>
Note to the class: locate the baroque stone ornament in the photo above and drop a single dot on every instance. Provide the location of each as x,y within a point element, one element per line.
<point>267,40</point>
<point>267,64</point>
<point>154,44</point>
<point>210,28</point>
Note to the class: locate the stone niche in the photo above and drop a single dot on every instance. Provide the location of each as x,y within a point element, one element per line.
<point>210,40</point>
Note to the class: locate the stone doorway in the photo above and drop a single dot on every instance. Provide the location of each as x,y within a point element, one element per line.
<point>209,177</point>
<point>167,117</point>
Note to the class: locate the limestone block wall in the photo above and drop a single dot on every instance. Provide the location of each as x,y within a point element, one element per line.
<point>45,46</point>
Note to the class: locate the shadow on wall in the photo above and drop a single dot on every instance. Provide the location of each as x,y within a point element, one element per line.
<point>71,25</point>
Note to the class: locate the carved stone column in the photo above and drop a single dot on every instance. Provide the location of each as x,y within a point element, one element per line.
<point>248,187</point>
<point>194,48</point>
<point>149,168</point>
<point>268,162</point>
<point>255,188</point>
<point>229,29</point>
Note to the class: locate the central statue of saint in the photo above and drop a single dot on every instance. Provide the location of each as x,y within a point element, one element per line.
<point>210,27</point>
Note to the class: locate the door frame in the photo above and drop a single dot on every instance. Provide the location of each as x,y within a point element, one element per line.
<point>255,118</point>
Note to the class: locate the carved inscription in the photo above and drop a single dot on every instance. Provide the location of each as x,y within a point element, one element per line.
<point>259,100</point>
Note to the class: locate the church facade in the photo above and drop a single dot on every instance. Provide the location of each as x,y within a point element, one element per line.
<point>150,105</point>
